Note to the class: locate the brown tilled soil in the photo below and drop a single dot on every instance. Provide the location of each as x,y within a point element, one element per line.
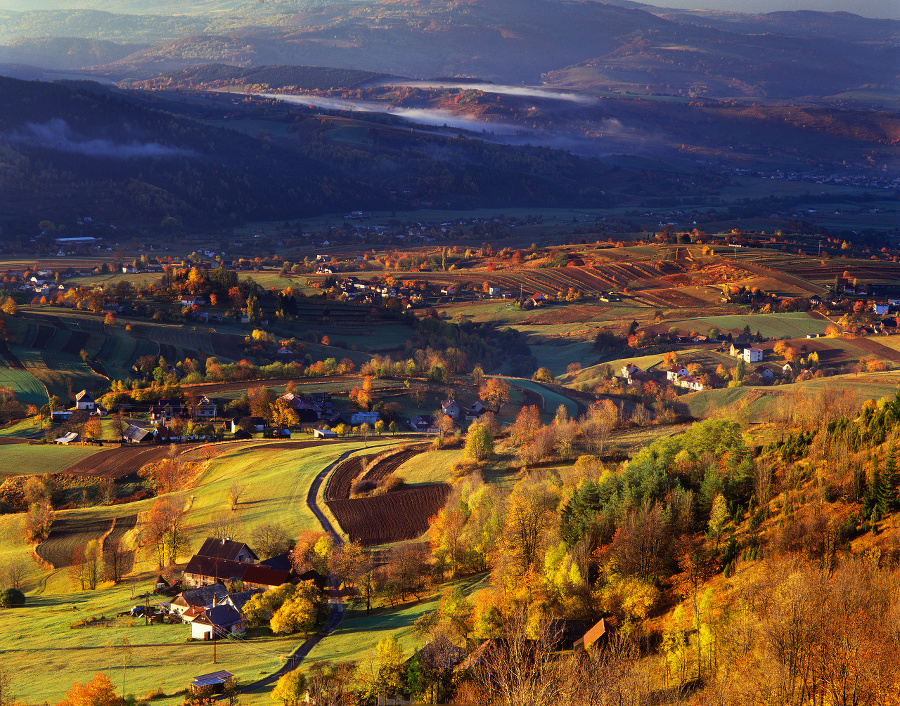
<point>338,487</point>
<point>384,468</point>
<point>117,463</point>
<point>392,517</point>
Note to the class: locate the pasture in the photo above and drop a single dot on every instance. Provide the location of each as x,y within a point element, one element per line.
<point>26,459</point>
<point>787,325</point>
<point>28,389</point>
<point>161,657</point>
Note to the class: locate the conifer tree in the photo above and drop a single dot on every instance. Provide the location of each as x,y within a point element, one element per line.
<point>888,482</point>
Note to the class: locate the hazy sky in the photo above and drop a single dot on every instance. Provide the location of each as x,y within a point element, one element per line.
<point>866,8</point>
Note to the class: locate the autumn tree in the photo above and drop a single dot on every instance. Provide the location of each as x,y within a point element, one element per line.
<point>522,669</point>
<point>165,530</point>
<point>495,393</point>
<point>299,613</point>
<point>235,492</point>
<point>479,443</point>
<point>38,521</point>
<point>98,691</point>
<point>290,688</point>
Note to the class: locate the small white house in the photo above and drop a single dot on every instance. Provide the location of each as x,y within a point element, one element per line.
<point>753,355</point>
<point>85,400</point>
<point>324,434</point>
<point>450,408</point>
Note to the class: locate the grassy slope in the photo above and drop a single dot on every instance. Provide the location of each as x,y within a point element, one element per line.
<point>358,634</point>
<point>41,458</point>
<point>277,483</point>
<point>430,467</point>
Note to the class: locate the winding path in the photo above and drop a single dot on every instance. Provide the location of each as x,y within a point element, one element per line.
<point>337,606</point>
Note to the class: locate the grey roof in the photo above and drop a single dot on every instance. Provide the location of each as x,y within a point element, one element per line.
<point>213,678</point>
<point>220,616</point>
<point>136,433</point>
<point>202,596</point>
<point>240,599</point>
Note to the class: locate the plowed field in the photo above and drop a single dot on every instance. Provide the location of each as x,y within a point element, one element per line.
<point>384,468</point>
<point>392,517</point>
<point>117,463</point>
<point>338,487</point>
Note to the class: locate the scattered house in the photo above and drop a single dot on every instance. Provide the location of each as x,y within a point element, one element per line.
<point>191,301</point>
<point>227,549</point>
<point>324,434</point>
<point>216,682</point>
<point>161,584</point>
<point>450,408</point>
<point>364,418</point>
<point>165,412</point>
<point>60,415</point>
<point>262,577</point>
<point>207,571</point>
<point>565,632</point>
<point>423,423</point>
<point>204,409</point>
<point>753,355</point>
<point>241,435</point>
<point>787,369</point>
<point>629,370</point>
<point>216,622</point>
<point>135,435</point>
<point>440,653</point>
<point>85,400</point>
<point>596,636</point>
<point>632,374</point>
<point>198,597</point>
<point>690,383</point>
<point>676,372</point>
<point>280,561</point>
<point>766,373</point>
<point>256,424</point>
<point>239,599</point>
<point>67,439</point>
<point>475,410</point>
<point>880,309</point>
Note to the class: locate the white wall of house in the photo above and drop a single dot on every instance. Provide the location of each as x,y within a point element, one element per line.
<point>200,631</point>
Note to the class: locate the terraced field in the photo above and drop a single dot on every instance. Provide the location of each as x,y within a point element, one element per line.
<point>68,533</point>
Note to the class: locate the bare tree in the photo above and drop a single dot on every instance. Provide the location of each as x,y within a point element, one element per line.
<point>164,531</point>
<point>15,575</point>
<point>609,676</point>
<point>270,539</point>
<point>235,491</point>
<point>116,559</point>
<point>225,524</point>
<point>521,669</point>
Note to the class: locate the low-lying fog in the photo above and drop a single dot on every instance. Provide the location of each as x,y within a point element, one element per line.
<point>617,138</point>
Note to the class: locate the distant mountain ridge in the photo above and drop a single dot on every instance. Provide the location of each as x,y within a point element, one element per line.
<point>622,46</point>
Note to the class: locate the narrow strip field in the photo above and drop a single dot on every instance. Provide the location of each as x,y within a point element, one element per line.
<point>68,533</point>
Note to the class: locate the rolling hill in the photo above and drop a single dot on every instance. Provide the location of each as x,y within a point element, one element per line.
<point>640,49</point>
